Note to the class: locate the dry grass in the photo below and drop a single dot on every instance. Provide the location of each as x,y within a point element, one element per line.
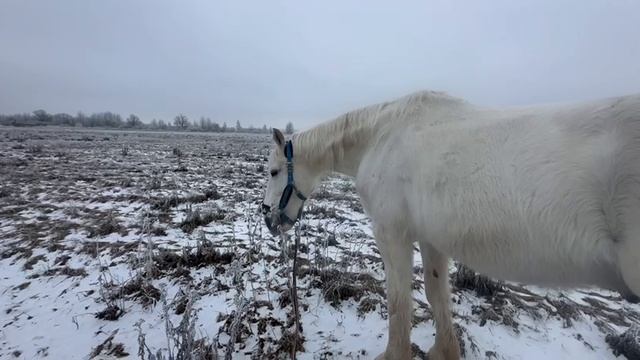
<point>204,254</point>
<point>142,290</point>
<point>110,348</point>
<point>107,224</point>
<point>167,203</point>
<point>367,305</point>
<point>28,265</point>
<point>110,313</point>
<point>627,343</point>
<point>467,279</point>
<point>338,286</point>
<point>66,271</point>
<point>182,341</point>
<point>196,218</point>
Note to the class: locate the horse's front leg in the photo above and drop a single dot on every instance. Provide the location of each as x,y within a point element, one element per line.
<point>397,257</point>
<point>436,280</point>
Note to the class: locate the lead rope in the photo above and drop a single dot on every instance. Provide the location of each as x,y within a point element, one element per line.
<point>294,289</point>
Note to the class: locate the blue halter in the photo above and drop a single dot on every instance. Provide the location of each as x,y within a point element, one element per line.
<point>290,188</point>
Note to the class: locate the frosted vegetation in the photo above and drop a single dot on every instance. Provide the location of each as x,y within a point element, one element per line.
<point>150,245</point>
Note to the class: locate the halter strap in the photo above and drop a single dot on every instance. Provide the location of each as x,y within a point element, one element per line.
<point>290,188</point>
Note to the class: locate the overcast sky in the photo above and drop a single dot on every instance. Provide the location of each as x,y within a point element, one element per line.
<point>269,62</point>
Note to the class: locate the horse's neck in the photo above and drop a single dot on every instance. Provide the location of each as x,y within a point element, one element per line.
<point>338,145</point>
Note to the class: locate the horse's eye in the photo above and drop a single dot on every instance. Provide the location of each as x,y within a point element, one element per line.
<point>274,173</point>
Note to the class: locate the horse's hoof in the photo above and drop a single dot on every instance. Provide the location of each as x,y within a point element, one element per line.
<point>439,353</point>
<point>394,355</point>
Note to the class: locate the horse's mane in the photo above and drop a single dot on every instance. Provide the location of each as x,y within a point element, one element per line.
<point>338,135</point>
<point>332,137</point>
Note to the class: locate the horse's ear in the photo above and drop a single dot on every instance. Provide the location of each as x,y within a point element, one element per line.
<point>278,137</point>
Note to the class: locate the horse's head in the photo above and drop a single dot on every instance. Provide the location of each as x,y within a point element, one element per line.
<point>290,182</point>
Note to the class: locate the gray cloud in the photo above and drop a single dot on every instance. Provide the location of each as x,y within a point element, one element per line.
<point>268,62</point>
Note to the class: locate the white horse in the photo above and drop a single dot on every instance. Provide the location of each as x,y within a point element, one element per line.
<point>546,195</point>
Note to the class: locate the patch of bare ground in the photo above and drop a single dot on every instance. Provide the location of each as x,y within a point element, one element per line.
<point>338,286</point>
<point>22,286</point>
<point>627,343</point>
<point>205,253</point>
<point>196,218</point>
<point>166,203</point>
<point>111,313</point>
<point>114,249</point>
<point>504,301</point>
<point>61,271</point>
<point>467,279</point>
<point>324,212</point>
<point>142,290</point>
<point>110,348</point>
<point>105,225</point>
<point>28,265</point>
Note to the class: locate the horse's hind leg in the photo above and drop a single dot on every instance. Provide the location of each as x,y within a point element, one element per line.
<point>436,280</point>
<point>397,255</point>
<point>629,256</point>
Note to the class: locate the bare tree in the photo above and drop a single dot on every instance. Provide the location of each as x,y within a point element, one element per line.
<point>63,119</point>
<point>181,121</point>
<point>105,119</point>
<point>133,121</point>
<point>289,128</point>
<point>42,116</point>
<point>81,118</point>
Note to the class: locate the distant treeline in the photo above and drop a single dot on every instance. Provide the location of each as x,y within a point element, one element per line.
<point>114,121</point>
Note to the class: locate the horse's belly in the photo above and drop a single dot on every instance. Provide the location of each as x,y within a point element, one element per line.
<point>512,263</point>
<point>503,258</point>
<point>511,256</point>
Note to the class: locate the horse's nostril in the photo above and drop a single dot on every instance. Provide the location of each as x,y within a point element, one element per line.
<point>266,209</point>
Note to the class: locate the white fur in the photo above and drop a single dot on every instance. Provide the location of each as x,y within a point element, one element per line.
<point>545,195</point>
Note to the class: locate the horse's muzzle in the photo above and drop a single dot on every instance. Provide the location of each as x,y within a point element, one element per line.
<point>273,228</point>
<point>269,220</point>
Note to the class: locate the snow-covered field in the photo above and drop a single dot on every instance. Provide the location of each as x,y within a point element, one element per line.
<point>150,245</point>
